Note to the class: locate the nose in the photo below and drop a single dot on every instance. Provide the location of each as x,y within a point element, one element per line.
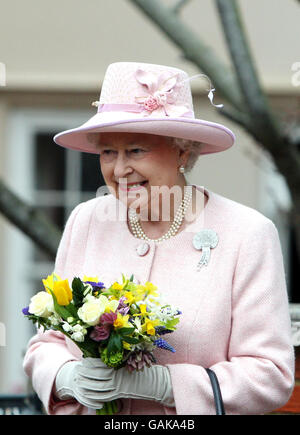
<point>122,167</point>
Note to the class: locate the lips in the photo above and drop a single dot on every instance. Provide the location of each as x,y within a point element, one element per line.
<point>129,186</point>
<point>136,182</point>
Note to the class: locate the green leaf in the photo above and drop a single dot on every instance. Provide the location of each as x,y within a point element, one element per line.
<point>60,310</point>
<point>89,348</point>
<point>126,331</point>
<point>131,340</point>
<point>114,344</point>
<point>41,321</point>
<point>111,292</point>
<point>78,289</point>
<point>72,309</point>
<point>170,324</point>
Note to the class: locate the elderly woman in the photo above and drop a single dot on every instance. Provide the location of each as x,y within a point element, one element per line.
<point>217,260</point>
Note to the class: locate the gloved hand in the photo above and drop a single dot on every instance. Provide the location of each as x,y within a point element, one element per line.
<point>66,384</point>
<point>95,383</point>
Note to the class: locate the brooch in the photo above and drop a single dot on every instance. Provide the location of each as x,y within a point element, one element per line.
<point>205,240</point>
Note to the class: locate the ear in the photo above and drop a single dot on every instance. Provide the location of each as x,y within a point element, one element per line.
<point>183,156</point>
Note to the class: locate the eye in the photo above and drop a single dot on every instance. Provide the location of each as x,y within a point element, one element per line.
<point>107,156</point>
<point>107,153</point>
<point>137,151</point>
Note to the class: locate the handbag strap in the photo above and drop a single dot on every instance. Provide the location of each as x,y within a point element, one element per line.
<point>220,410</point>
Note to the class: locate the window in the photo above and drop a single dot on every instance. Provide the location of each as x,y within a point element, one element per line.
<point>62,179</point>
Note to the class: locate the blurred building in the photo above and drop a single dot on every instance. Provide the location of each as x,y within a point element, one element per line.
<point>55,55</point>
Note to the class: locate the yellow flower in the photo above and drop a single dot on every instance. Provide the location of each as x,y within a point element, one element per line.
<point>126,345</point>
<point>112,306</point>
<point>122,321</point>
<point>117,286</point>
<point>149,325</point>
<point>91,279</point>
<point>129,296</point>
<point>49,281</point>
<point>60,288</point>
<point>151,289</point>
<point>143,309</point>
<point>106,304</point>
<point>145,290</point>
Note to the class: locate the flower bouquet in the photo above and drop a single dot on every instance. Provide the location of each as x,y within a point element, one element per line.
<point>121,324</point>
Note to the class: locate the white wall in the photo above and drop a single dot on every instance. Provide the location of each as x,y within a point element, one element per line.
<point>69,43</point>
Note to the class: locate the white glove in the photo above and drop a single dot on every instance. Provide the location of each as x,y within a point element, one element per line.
<point>66,384</point>
<point>96,383</point>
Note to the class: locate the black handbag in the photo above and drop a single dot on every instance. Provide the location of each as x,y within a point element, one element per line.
<point>220,410</point>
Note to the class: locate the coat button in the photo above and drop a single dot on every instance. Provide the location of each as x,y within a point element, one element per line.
<point>142,249</point>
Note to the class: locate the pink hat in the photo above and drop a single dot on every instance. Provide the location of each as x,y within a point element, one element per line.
<point>146,98</point>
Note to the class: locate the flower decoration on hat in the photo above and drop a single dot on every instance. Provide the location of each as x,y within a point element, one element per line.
<point>161,94</point>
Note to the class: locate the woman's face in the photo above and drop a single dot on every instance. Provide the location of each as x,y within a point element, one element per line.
<point>130,158</point>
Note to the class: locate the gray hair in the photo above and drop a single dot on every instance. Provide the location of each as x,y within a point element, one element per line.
<point>192,146</point>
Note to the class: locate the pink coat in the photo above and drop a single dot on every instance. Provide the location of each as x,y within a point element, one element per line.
<point>235,316</point>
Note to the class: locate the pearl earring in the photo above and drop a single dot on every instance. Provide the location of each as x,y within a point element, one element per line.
<point>181,169</point>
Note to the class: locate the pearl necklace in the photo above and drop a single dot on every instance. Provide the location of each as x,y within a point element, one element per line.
<point>138,231</point>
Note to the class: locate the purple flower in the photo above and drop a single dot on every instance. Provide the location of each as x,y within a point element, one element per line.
<point>100,333</point>
<point>25,311</point>
<point>122,303</point>
<point>123,311</point>
<point>96,285</point>
<point>123,308</point>
<point>108,318</point>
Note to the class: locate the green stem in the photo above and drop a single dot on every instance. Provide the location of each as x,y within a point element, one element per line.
<point>109,408</point>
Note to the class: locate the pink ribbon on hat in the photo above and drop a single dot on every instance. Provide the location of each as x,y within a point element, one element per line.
<point>135,108</point>
<point>160,98</point>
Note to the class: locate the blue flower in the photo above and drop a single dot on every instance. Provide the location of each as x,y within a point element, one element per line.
<point>162,330</point>
<point>162,344</point>
<point>25,311</point>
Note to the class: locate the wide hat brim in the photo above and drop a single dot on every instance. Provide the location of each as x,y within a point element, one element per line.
<point>214,137</point>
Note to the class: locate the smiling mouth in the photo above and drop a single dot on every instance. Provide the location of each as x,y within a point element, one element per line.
<point>133,186</point>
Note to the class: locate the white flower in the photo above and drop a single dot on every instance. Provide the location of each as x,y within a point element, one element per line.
<point>88,297</point>
<point>41,305</point>
<point>91,311</point>
<point>77,336</point>
<point>55,319</point>
<point>67,327</point>
<point>138,324</point>
<point>93,308</point>
<point>164,313</point>
<point>79,328</point>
